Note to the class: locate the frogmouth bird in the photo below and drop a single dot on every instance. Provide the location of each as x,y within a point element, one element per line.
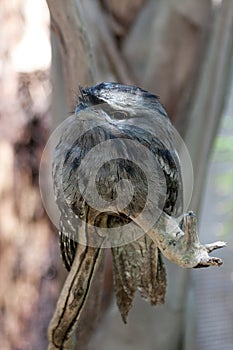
<point>118,183</point>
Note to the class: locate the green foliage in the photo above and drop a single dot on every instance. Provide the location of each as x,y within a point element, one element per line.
<point>223,152</point>
<point>223,146</point>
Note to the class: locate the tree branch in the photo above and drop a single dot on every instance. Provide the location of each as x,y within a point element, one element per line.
<point>73,298</point>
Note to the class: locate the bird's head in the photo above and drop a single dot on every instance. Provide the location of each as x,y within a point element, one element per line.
<point>119,97</point>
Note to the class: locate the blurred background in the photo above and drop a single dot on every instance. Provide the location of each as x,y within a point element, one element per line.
<point>182,51</point>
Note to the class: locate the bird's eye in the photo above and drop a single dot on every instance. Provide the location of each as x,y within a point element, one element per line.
<point>119,115</point>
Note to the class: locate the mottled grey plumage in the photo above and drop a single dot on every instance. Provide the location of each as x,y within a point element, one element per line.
<point>125,110</point>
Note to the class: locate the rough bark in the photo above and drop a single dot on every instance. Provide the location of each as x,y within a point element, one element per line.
<point>30,278</point>
<point>29,259</point>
